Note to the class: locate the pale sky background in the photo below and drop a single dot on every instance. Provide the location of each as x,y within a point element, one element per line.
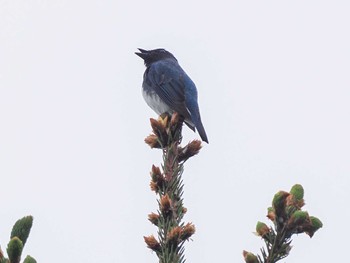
<point>274,91</point>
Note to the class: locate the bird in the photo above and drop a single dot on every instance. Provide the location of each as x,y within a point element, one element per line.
<point>167,88</point>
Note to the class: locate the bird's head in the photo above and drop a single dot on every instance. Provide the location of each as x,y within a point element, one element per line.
<point>150,56</point>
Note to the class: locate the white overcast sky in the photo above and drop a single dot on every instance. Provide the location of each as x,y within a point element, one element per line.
<point>274,91</point>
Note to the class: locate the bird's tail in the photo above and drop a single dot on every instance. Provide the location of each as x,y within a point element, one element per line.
<point>199,126</point>
<point>196,120</point>
<point>201,130</point>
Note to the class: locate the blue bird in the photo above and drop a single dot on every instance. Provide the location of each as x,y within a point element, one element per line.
<point>167,88</point>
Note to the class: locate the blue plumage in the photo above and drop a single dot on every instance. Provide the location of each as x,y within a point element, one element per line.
<point>167,88</point>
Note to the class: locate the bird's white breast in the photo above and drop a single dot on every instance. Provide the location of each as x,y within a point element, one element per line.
<point>154,101</point>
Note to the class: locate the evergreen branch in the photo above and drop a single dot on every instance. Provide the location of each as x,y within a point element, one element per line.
<point>19,235</point>
<point>288,219</point>
<point>169,187</point>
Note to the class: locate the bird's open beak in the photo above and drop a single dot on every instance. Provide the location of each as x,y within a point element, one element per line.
<point>143,53</point>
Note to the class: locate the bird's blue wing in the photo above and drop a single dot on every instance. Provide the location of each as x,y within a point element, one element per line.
<point>168,80</point>
<point>168,83</point>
